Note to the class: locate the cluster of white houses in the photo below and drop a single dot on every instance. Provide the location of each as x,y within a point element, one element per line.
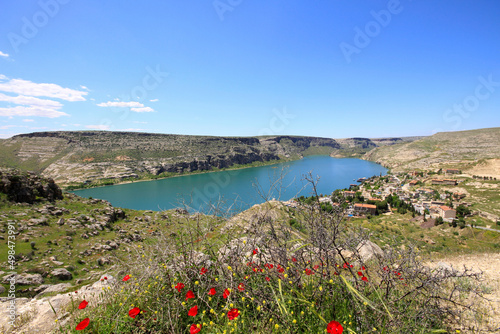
<point>423,199</point>
<point>409,187</point>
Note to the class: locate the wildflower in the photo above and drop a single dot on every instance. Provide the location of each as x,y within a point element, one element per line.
<point>229,268</point>
<point>233,314</point>
<point>255,251</point>
<point>241,287</point>
<point>360,273</point>
<point>83,305</point>
<point>269,266</point>
<point>134,312</point>
<point>83,324</point>
<point>126,278</point>
<point>195,329</point>
<point>203,270</point>
<point>179,287</point>
<point>226,293</point>
<point>212,292</point>
<point>193,311</point>
<point>294,321</point>
<point>363,268</point>
<point>308,271</point>
<point>189,295</point>
<point>294,259</point>
<point>334,327</point>
<point>196,283</point>
<point>364,279</point>
<point>268,279</point>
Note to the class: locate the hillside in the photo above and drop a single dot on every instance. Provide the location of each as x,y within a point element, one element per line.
<point>465,150</point>
<point>82,157</point>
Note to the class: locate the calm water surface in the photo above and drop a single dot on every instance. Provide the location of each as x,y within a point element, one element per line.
<point>237,189</point>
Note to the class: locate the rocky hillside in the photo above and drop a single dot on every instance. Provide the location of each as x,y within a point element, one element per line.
<point>461,149</point>
<point>86,156</point>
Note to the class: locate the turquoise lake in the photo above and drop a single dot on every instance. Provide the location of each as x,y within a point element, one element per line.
<point>237,190</point>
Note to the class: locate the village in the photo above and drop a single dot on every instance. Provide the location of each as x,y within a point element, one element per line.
<point>429,194</point>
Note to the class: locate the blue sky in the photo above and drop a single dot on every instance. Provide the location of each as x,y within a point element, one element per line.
<point>326,68</point>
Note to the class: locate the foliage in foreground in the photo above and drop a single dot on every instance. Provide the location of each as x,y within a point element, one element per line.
<point>211,279</point>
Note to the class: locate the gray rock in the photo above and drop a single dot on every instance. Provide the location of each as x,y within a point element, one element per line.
<point>58,263</point>
<point>2,289</point>
<point>61,287</point>
<point>60,221</point>
<point>102,261</point>
<point>62,274</point>
<point>27,279</point>
<point>368,249</point>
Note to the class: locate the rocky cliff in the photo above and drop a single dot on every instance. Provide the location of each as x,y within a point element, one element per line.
<point>88,156</point>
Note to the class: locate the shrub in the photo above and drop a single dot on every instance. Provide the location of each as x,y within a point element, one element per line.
<point>259,275</point>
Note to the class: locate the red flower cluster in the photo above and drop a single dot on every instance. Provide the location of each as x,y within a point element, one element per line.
<point>212,292</point>
<point>195,329</point>
<point>134,312</point>
<point>83,324</point>
<point>179,286</point>
<point>203,270</point>
<point>233,314</point>
<point>334,327</point>
<point>193,311</point>
<point>189,295</point>
<point>83,305</point>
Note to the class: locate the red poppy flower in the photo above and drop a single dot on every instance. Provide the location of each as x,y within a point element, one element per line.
<point>255,251</point>
<point>195,329</point>
<point>345,265</point>
<point>281,269</point>
<point>363,268</point>
<point>179,287</point>
<point>83,324</point>
<point>193,311</point>
<point>360,273</point>
<point>126,278</point>
<point>226,293</point>
<point>105,277</point>
<point>241,287</point>
<point>268,279</point>
<point>334,327</point>
<point>294,259</point>
<point>203,271</point>
<point>83,305</point>
<point>189,295</point>
<point>316,267</point>
<point>212,292</point>
<point>364,279</point>
<point>134,312</point>
<point>308,272</point>
<point>233,313</point>
<point>269,266</point>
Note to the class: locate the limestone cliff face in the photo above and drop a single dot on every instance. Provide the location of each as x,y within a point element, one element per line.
<point>83,156</point>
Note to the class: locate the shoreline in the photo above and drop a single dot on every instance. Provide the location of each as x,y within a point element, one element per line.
<point>180,175</point>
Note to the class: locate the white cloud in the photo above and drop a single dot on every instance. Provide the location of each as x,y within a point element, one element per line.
<point>154,100</point>
<point>39,111</point>
<point>143,109</point>
<point>28,120</point>
<point>30,101</point>
<point>132,130</point>
<point>3,77</point>
<point>98,127</point>
<point>84,87</point>
<point>3,54</point>
<point>25,87</point>
<point>5,127</point>
<point>121,104</point>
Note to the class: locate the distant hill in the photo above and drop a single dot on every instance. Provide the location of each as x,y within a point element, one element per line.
<point>461,149</point>
<point>78,157</point>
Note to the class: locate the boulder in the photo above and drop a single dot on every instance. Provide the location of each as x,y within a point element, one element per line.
<point>62,274</point>
<point>26,279</point>
<point>59,288</point>
<point>368,249</point>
